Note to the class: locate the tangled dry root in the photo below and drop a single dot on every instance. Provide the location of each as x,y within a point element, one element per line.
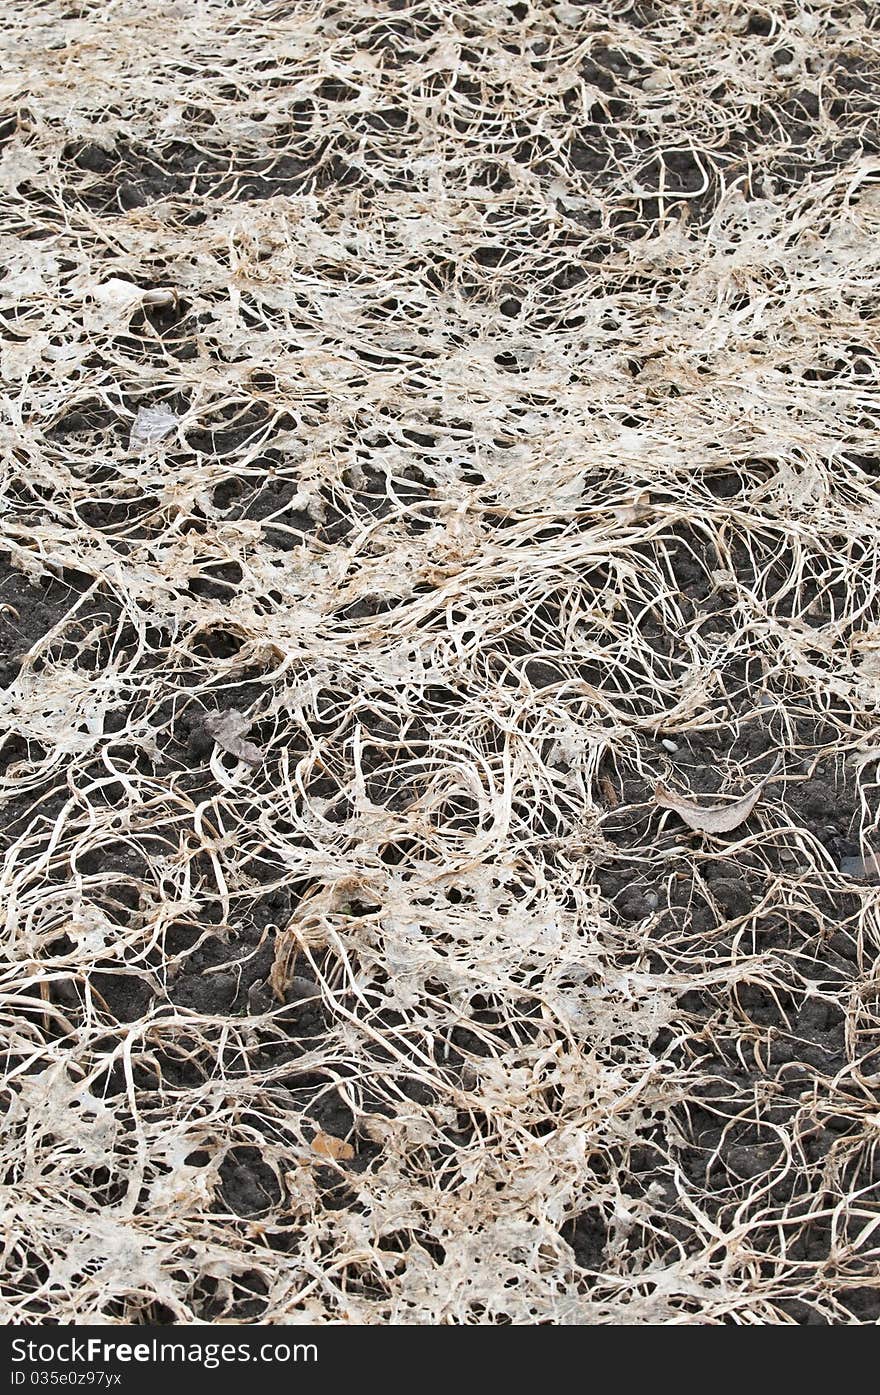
<point>472,410</point>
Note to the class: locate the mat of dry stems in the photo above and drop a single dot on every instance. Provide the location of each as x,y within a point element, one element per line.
<point>428,429</point>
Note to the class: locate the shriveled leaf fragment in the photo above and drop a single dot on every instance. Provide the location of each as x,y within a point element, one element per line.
<point>659,81</point>
<point>634,510</point>
<point>229,730</point>
<point>115,301</point>
<point>711,818</point>
<point>724,579</point>
<point>151,425</point>
<point>606,784</point>
<point>116,294</point>
<point>328,1146</point>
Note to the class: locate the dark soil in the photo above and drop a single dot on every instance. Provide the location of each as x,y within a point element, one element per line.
<point>30,609</point>
<point>687,897</point>
<point>698,895</point>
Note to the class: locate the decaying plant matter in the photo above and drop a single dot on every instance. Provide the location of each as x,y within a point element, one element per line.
<point>428,428</point>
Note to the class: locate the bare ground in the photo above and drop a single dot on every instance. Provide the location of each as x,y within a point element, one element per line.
<point>430,432</point>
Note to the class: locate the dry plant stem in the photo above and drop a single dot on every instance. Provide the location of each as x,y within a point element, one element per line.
<point>426,429</point>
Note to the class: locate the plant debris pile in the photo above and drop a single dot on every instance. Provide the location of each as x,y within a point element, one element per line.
<point>440,661</point>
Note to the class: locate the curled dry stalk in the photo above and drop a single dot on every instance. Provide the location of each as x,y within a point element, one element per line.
<point>455,407</point>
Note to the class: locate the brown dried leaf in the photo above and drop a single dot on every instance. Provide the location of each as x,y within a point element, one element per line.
<point>607,787</point>
<point>228,730</point>
<point>711,818</point>
<point>328,1146</point>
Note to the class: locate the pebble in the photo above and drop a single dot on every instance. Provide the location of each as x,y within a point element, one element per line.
<point>668,745</point>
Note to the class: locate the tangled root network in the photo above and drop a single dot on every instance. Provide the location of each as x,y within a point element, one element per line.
<point>440,661</point>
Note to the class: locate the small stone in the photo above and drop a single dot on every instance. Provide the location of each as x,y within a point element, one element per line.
<point>300,990</point>
<point>670,746</point>
<point>259,998</point>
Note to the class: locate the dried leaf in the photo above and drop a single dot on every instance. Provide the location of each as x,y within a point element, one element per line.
<point>115,301</point>
<point>118,296</point>
<point>152,424</point>
<point>607,787</point>
<point>724,579</point>
<point>328,1146</point>
<point>634,510</point>
<point>229,730</point>
<point>711,818</point>
<point>659,81</point>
